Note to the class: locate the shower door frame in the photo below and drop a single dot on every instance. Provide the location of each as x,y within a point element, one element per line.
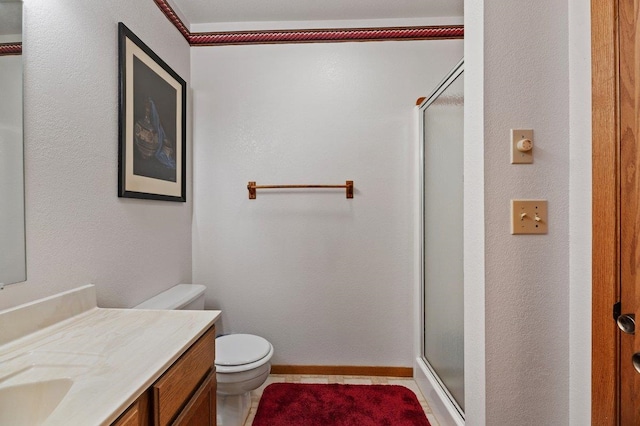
<point>441,401</point>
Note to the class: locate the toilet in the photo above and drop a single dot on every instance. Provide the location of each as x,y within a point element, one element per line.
<point>242,360</point>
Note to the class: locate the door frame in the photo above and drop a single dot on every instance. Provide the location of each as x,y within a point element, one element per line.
<point>605,211</point>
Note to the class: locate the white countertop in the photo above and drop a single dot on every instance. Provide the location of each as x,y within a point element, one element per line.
<point>112,356</point>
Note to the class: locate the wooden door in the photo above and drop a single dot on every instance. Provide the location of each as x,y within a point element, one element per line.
<point>616,219</point>
<point>605,213</point>
<point>629,94</point>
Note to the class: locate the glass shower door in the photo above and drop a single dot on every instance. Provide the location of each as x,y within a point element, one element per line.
<point>442,249</point>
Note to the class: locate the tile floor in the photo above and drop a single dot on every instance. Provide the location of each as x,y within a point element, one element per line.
<point>353,380</point>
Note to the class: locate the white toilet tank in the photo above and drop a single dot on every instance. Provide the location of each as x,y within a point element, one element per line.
<point>181,296</point>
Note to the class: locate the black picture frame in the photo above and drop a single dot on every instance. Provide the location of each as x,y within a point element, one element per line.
<point>152,106</point>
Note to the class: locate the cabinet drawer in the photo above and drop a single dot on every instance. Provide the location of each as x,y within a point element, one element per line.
<point>172,391</point>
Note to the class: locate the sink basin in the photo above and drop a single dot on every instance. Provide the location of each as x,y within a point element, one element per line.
<point>31,403</point>
<point>32,384</point>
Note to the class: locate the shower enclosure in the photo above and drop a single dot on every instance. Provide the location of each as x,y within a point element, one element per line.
<point>441,220</point>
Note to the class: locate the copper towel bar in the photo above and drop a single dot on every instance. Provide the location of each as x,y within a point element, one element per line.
<point>252,188</point>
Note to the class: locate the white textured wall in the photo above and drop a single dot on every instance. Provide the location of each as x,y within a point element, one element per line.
<point>474,217</point>
<point>327,280</point>
<point>527,277</point>
<point>78,230</point>
<point>526,282</point>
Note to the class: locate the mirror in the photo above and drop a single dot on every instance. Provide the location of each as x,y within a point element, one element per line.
<point>12,233</point>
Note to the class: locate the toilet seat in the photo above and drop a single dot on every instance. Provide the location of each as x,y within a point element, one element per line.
<point>241,352</point>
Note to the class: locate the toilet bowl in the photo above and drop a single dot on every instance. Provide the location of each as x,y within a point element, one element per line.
<point>242,360</point>
<point>242,365</point>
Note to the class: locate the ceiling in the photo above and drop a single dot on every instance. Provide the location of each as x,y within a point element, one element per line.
<point>224,11</point>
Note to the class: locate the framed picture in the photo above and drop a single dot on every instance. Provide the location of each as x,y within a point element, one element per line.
<point>152,124</point>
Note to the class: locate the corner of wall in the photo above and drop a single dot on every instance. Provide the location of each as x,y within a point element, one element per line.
<point>474,247</point>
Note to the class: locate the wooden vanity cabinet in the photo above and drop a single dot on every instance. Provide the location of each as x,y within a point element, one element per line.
<point>137,414</point>
<point>184,395</point>
<point>201,409</point>
<point>181,383</point>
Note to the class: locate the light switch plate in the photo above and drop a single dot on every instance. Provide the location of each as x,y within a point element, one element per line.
<point>529,217</point>
<point>519,157</point>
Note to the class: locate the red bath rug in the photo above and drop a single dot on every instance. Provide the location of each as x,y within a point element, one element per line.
<point>301,404</point>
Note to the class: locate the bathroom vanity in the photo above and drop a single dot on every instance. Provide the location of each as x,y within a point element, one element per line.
<point>65,361</point>
<point>186,392</point>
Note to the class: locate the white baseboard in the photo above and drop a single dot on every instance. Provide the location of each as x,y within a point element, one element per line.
<point>443,409</point>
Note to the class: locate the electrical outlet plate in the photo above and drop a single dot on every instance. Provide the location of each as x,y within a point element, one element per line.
<point>524,214</point>
<point>519,157</point>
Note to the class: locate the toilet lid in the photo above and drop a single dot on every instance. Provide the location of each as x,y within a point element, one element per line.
<point>240,349</point>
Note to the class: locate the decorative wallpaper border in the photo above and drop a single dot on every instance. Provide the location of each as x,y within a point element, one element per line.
<point>10,49</point>
<point>175,20</point>
<point>325,36</point>
<point>309,36</point>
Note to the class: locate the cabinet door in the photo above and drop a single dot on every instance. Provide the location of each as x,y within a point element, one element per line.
<point>201,409</point>
<point>175,388</point>
<point>137,414</point>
